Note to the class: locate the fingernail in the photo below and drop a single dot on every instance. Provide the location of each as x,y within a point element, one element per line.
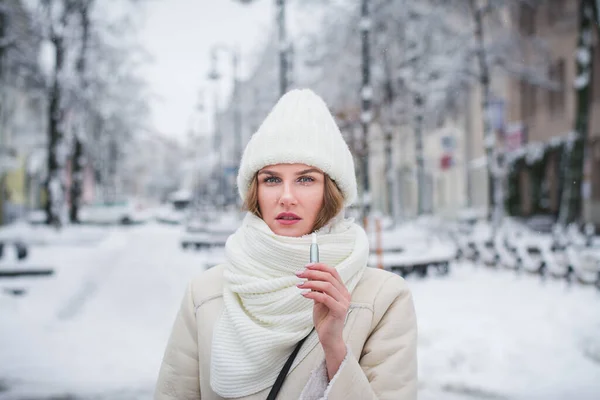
<point>309,265</point>
<point>299,273</point>
<point>305,291</point>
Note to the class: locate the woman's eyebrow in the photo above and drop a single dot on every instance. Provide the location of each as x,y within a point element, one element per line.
<point>268,172</point>
<point>306,171</point>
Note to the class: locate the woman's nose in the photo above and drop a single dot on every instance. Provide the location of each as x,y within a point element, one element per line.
<point>287,195</point>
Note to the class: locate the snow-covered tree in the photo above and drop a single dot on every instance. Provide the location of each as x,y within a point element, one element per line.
<point>93,93</point>
<point>425,61</point>
<point>78,154</point>
<point>105,78</point>
<point>58,17</point>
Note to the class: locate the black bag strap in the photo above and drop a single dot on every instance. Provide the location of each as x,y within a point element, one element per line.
<point>286,368</point>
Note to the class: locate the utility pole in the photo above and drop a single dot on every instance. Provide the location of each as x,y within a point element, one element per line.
<point>237,117</point>
<point>214,76</point>
<point>418,100</point>
<point>3,150</point>
<point>283,47</point>
<point>366,98</point>
<point>217,148</point>
<point>389,172</point>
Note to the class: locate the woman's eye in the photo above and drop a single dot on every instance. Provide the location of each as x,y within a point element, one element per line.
<point>306,179</point>
<point>271,179</point>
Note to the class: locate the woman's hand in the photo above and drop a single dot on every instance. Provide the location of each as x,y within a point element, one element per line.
<point>331,303</point>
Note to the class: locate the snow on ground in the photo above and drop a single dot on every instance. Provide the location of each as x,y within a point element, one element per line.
<point>497,334</point>
<point>97,329</point>
<point>100,326</point>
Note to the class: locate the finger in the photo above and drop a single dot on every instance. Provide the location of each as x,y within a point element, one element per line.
<point>314,275</point>
<point>325,287</point>
<point>326,268</point>
<point>338,309</point>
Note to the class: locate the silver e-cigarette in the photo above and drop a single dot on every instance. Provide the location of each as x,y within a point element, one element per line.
<point>314,249</point>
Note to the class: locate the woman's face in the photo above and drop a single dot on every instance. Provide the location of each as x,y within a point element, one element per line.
<point>290,197</point>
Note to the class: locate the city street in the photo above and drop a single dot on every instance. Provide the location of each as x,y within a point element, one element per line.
<point>97,329</point>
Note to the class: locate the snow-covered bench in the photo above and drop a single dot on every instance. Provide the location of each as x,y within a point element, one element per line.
<point>415,255</point>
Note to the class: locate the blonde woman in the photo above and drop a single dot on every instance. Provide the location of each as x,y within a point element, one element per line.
<point>267,324</point>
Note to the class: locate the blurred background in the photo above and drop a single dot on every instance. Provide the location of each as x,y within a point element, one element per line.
<point>475,126</point>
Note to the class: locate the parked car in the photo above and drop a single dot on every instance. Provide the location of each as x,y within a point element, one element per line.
<point>177,208</point>
<point>36,217</point>
<point>209,229</point>
<point>124,212</point>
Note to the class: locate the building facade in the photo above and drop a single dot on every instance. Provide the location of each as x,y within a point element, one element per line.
<point>544,117</point>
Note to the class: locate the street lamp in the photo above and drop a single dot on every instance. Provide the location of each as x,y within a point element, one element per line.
<point>283,44</point>
<point>366,94</point>
<point>214,75</point>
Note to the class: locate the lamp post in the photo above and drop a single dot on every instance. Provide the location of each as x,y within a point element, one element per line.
<point>214,75</point>
<point>283,45</point>
<point>366,98</point>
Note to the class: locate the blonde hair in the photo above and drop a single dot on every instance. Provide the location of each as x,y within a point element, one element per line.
<point>333,201</point>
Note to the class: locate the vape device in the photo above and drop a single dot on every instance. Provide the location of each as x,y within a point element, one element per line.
<point>314,249</point>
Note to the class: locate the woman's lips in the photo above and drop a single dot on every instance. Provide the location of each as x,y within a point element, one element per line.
<point>283,221</point>
<point>288,218</point>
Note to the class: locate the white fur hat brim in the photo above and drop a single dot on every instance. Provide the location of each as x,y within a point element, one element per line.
<point>300,130</point>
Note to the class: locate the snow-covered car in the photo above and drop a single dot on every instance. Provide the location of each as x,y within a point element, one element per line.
<point>209,229</point>
<point>124,212</point>
<point>177,208</point>
<point>36,217</point>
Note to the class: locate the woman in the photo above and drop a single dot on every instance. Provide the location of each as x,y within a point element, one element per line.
<point>240,322</point>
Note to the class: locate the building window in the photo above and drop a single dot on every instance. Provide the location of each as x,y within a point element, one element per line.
<point>556,96</point>
<point>556,9</point>
<point>527,20</point>
<point>528,98</point>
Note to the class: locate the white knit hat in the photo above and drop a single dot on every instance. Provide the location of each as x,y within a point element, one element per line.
<point>300,129</point>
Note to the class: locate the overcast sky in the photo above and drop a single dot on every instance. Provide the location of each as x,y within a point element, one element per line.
<point>179,34</point>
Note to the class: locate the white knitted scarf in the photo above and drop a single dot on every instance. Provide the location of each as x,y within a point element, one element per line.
<point>264,314</point>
